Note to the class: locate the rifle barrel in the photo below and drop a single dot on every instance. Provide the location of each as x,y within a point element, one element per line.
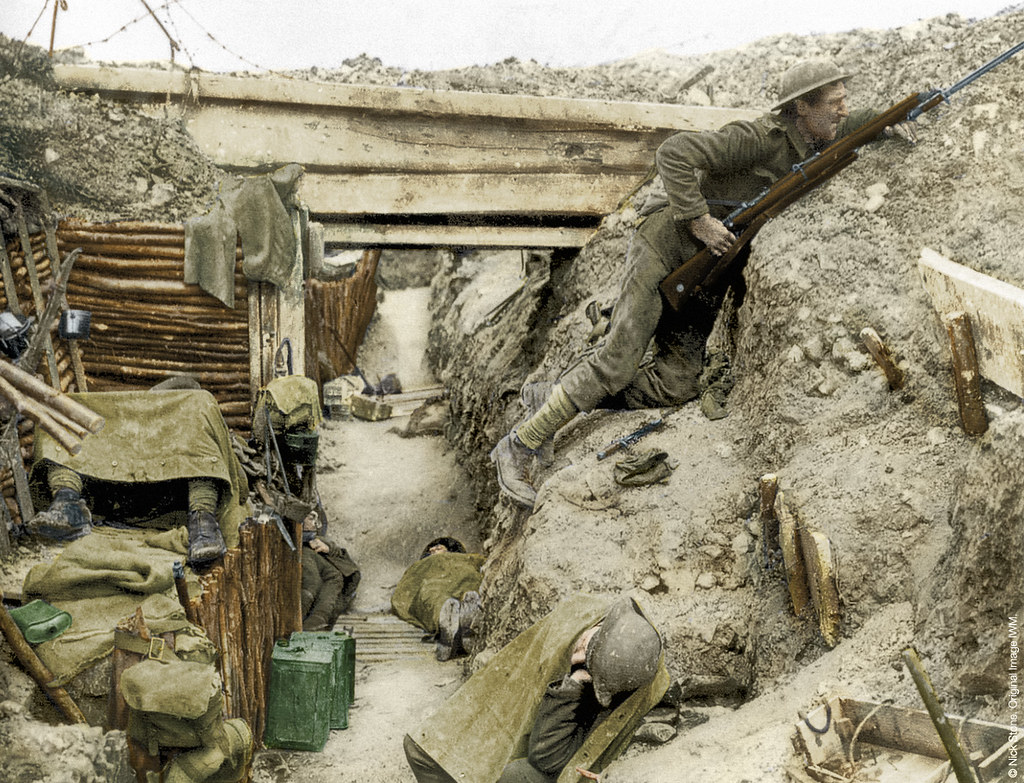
<point>983,69</point>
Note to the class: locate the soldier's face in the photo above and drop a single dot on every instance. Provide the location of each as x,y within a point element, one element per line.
<point>579,650</point>
<point>820,120</point>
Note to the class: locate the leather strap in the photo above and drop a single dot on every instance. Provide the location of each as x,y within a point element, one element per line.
<point>156,648</point>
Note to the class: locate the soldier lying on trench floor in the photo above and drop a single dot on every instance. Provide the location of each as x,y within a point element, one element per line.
<point>563,696</point>
<point>438,593</point>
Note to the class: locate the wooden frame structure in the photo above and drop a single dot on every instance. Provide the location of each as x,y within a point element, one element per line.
<point>414,167</point>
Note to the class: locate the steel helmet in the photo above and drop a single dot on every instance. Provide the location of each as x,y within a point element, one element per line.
<point>623,654</point>
<point>806,76</point>
<point>13,333</point>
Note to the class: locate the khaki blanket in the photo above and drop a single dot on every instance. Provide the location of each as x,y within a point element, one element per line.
<point>432,580</point>
<point>256,210</point>
<point>152,437</point>
<point>487,722</point>
<point>100,579</point>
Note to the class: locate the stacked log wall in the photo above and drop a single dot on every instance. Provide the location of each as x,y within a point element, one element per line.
<point>147,324</point>
<point>337,315</point>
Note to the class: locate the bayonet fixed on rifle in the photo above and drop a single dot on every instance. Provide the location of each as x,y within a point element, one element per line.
<point>628,440</point>
<point>704,268</point>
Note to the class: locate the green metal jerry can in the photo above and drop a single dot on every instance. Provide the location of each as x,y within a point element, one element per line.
<point>300,696</point>
<point>343,648</point>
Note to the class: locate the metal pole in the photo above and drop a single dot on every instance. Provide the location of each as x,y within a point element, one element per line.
<point>961,767</point>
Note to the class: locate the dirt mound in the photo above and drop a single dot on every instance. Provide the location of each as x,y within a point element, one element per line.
<point>911,504</point>
<point>98,160</point>
<point>883,474</point>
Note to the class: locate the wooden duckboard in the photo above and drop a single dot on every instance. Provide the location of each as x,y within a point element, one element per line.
<point>995,310</point>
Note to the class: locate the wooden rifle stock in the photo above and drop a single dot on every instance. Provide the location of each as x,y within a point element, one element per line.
<point>703,269</point>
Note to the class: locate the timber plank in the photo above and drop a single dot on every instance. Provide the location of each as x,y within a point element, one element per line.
<point>465,193</point>
<point>387,150</point>
<point>792,557</point>
<point>141,83</point>
<point>346,142</point>
<point>995,310</point>
<point>368,235</point>
<point>912,730</point>
<point>821,579</point>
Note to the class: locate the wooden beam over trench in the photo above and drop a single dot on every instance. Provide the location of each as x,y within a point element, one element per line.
<point>401,166</point>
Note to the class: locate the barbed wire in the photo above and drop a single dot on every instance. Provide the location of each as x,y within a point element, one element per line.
<point>16,60</point>
<point>41,12</point>
<point>177,33</point>
<point>166,6</point>
<point>118,31</point>
<point>233,53</point>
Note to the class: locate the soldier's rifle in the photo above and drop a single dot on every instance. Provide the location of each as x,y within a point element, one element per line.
<point>628,440</point>
<point>704,268</point>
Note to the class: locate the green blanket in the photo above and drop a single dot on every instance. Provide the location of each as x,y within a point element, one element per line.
<point>152,437</point>
<point>100,579</point>
<point>432,580</point>
<point>487,722</point>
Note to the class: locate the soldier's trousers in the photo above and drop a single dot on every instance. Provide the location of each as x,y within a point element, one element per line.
<point>426,770</point>
<point>651,356</point>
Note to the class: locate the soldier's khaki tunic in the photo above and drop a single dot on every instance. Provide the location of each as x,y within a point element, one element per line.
<point>733,164</point>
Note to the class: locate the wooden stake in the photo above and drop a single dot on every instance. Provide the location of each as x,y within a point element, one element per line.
<point>966,374</point>
<point>821,578</point>
<point>29,407</point>
<point>37,294</point>
<point>768,490</point>
<point>882,355</point>
<point>52,398</point>
<point>36,668</point>
<point>792,558</point>
<point>957,759</point>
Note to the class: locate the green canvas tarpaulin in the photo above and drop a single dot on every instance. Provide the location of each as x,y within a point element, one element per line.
<point>432,580</point>
<point>487,722</point>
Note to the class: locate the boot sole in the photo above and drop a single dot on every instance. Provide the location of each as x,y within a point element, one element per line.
<point>522,500</point>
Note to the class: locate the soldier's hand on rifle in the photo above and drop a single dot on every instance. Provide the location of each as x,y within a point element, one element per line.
<point>904,130</point>
<point>713,233</point>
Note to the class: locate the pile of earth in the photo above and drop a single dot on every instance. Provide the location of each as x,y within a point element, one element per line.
<point>918,513</point>
<point>924,518</point>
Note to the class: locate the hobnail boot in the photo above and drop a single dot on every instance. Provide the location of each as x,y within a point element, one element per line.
<point>511,460</point>
<point>447,630</point>
<point>470,612</point>
<point>205,541</point>
<point>66,519</point>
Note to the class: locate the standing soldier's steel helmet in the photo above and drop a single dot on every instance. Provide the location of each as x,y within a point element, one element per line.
<point>623,654</point>
<point>807,76</point>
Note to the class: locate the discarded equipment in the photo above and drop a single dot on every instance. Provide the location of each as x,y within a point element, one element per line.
<point>852,740</point>
<point>628,440</point>
<point>343,646</point>
<point>39,621</point>
<point>74,324</point>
